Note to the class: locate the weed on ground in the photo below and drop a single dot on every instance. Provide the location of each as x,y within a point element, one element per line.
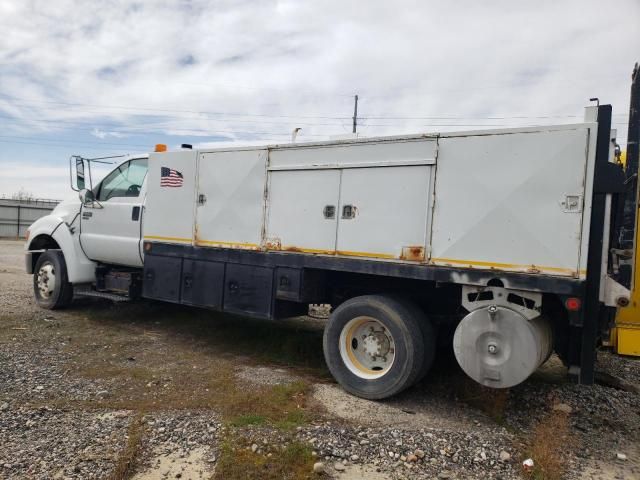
<point>548,447</point>
<point>293,462</point>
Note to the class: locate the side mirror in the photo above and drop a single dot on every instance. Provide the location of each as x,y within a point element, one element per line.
<point>86,196</point>
<point>80,173</point>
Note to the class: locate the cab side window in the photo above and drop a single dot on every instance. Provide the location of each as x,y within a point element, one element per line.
<point>124,181</point>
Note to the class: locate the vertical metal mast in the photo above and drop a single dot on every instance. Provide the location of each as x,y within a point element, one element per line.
<point>633,154</point>
<point>355,114</point>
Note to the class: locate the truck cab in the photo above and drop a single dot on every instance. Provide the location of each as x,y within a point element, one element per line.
<point>103,225</point>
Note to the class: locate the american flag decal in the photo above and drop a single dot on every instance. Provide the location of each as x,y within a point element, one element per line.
<point>170,177</point>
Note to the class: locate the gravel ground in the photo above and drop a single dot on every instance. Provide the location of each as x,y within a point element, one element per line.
<point>59,421</point>
<point>49,443</point>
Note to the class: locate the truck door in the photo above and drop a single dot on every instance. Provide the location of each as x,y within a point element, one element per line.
<point>110,228</point>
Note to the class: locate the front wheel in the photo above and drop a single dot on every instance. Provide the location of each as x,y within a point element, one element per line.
<point>51,286</point>
<point>374,346</point>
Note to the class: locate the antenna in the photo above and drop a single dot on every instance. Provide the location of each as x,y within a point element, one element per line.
<point>355,114</point>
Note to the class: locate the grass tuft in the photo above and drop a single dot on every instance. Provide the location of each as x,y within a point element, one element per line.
<point>248,419</point>
<point>551,440</point>
<point>126,462</point>
<point>236,463</point>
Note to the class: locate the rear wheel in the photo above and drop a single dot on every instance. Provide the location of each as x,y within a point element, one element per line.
<point>374,346</point>
<point>51,286</point>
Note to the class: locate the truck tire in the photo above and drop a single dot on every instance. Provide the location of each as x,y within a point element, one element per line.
<point>51,286</point>
<point>429,338</point>
<point>374,346</point>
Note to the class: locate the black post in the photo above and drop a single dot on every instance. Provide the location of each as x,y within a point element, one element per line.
<point>608,178</point>
<point>355,114</point>
<point>18,229</point>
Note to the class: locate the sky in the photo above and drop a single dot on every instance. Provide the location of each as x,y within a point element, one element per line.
<point>116,77</point>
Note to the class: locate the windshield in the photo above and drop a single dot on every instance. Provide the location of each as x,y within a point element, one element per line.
<point>125,181</point>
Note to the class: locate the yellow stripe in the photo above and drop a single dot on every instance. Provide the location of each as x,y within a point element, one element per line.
<point>291,248</point>
<point>469,263</point>
<point>168,239</point>
<point>218,243</point>
<point>477,263</point>
<point>347,253</point>
<point>365,254</point>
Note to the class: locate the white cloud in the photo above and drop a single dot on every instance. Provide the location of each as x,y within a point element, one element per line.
<point>256,69</point>
<point>96,132</point>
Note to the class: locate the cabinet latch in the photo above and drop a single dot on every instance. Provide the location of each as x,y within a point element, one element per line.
<point>572,203</point>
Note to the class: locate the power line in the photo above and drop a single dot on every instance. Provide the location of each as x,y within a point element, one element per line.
<point>161,127</point>
<point>63,146</point>
<point>53,140</point>
<point>515,117</point>
<point>164,124</point>
<point>122,107</point>
<point>337,117</point>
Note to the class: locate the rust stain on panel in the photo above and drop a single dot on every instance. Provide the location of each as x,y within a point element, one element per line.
<point>293,248</point>
<point>415,253</point>
<point>273,244</point>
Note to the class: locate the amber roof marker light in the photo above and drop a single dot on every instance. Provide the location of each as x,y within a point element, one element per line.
<point>160,147</point>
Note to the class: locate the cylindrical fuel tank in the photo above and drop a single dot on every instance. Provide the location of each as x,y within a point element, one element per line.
<point>498,347</point>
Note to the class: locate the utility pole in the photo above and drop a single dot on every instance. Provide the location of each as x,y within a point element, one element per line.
<point>355,114</point>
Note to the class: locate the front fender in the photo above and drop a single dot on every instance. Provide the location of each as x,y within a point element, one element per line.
<point>79,268</point>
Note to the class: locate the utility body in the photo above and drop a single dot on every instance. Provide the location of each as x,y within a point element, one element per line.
<point>494,242</point>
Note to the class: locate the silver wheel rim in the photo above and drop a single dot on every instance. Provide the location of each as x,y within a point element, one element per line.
<point>367,347</point>
<point>46,281</point>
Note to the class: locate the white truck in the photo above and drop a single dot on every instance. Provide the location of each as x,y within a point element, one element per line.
<point>496,241</point>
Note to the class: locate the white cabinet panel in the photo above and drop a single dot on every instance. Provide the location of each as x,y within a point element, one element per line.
<point>230,213</point>
<point>390,152</point>
<point>384,212</point>
<point>296,216</point>
<point>168,212</point>
<point>513,201</point>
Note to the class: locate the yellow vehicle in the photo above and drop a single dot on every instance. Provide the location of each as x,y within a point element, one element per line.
<point>625,336</point>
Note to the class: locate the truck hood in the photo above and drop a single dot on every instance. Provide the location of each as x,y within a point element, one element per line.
<point>67,209</point>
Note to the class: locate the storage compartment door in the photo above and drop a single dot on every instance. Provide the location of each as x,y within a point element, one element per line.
<point>249,290</point>
<point>384,212</point>
<point>162,278</point>
<point>169,208</point>
<point>303,209</point>
<point>202,283</point>
<point>512,201</point>
<point>231,199</point>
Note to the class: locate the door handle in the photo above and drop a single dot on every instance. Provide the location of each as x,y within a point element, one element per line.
<point>329,211</point>
<point>135,214</point>
<point>348,212</point>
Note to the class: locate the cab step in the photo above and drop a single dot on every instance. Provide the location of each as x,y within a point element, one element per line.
<point>84,291</point>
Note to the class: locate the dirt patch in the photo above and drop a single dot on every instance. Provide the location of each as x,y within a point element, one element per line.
<point>177,463</point>
<point>362,472</point>
<point>366,412</point>
<point>265,375</point>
